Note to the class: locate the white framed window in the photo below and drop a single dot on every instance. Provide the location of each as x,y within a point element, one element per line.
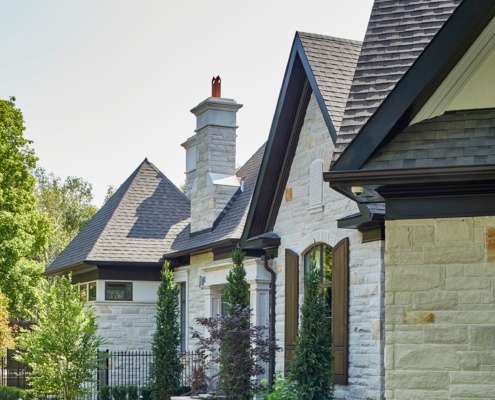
<point>88,291</point>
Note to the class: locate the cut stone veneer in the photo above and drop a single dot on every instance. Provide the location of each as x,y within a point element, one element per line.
<point>210,161</point>
<point>440,309</point>
<point>300,226</point>
<point>126,326</point>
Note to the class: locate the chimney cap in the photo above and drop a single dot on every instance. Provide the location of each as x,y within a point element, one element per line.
<point>216,87</point>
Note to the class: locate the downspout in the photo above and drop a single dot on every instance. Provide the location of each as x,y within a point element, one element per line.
<point>271,365</point>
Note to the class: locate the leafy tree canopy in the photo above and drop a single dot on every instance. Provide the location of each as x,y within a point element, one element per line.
<point>22,230</point>
<point>61,348</point>
<point>67,206</point>
<point>6,341</point>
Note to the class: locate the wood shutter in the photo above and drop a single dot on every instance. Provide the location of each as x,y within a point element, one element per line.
<point>291,304</point>
<point>340,313</point>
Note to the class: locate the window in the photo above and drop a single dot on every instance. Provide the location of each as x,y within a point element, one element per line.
<point>118,291</point>
<point>320,257</point>
<point>88,291</point>
<point>333,264</point>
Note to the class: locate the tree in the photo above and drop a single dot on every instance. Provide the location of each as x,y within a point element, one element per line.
<point>22,230</point>
<point>311,366</point>
<point>166,368</point>
<point>61,348</point>
<point>67,206</point>
<point>6,341</point>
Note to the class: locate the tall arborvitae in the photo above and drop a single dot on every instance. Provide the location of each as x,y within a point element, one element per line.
<point>311,367</point>
<point>166,368</point>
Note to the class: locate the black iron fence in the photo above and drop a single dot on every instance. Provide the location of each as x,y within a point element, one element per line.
<point>122,368</point>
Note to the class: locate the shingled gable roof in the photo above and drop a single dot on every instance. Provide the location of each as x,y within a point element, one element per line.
<point>317,64</point>
<point>398,31</point>
<point>135,226</point>
<point>229,225</point>
<point>457,166</point>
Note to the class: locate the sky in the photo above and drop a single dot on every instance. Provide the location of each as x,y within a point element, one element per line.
<point>105,84</point>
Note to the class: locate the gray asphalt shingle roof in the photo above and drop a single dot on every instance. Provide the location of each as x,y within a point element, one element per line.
<point>232,223</point>
<point>137,224</point>
<point>332,62</point>
<point>398,31</point>
<point>453,139</point>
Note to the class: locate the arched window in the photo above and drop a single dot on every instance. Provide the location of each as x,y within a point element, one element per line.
<point>320,257</point>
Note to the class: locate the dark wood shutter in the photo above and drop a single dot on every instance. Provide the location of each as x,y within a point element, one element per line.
<point>340,311</point>
<point>291,304</point>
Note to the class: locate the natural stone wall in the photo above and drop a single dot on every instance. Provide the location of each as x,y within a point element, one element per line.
<point>440,309</point>
<point>126,326</point>
<point>300,227</point>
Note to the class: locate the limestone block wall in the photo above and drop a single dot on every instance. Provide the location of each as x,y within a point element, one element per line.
<point>126,326</point>
<point>300,226</point>
<point>440,309</point>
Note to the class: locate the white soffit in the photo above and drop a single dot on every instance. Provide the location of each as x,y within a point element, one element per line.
<point>456,91</point>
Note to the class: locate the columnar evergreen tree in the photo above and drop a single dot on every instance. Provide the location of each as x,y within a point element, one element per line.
<point>61,348</point>
<point>311,366</point>
<point>166,368</point>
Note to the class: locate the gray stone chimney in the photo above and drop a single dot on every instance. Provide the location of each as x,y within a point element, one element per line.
<point>210,159</point>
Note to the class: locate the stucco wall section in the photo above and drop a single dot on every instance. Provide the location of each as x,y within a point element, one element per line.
<point>440,309</point>
<point>300,227</point>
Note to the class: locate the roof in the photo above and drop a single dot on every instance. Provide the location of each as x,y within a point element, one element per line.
<point>398,32</point>
<point>332,61</point>
<point>137,224</point>
<point>452,139</point>
<point>230,224</point>
<point>318,65</point>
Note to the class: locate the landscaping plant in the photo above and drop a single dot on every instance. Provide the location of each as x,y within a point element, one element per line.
<point>234,348</point>
<point>311,366</point>
<point>166,368</point>
<point>61,348</point>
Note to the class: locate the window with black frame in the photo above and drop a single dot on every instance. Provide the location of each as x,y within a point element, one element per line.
<point>118,291</point>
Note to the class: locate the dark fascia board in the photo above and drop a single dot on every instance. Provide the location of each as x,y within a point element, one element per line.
<point>185,254</point>
<point>419,83</point>
<point>414,182</point>
<point>80,266</point>
<point>363,221</point>
<point>126,264</point>
<point>294,95</point>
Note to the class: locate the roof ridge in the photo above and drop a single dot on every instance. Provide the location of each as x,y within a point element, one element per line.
<point>167,180</point>
<point>329,37</point>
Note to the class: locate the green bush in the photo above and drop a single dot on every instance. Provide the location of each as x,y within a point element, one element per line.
<point>12,393</point>
<point>132,393</point>
<point>283,389</point>
<point>146,392</point>
<point>106,393</point>
<point>119,392</point>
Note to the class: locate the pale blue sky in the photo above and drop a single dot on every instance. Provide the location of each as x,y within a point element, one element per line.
<point>104,84</point>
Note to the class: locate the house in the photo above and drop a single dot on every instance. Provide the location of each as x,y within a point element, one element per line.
<point>291,204</point>
<point>116,259</point>
<point>428,153</point>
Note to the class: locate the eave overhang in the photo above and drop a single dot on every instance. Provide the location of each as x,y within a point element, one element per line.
<point>182,257</point>
<point>419,83</point>
<point>422,192</point>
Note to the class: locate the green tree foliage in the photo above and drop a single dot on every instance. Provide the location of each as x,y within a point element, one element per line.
<point>22,230</point>
<point>166,368</point>
<point>237,290</point>
<point>6,341</point>
<point>66,205</point>
<point>61,348</point>
<point>311,367</point>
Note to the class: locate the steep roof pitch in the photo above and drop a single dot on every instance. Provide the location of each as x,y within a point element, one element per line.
<point>136,225</point>
<point>230,224</point>
<point>398,31</point>
<point>318,64</point>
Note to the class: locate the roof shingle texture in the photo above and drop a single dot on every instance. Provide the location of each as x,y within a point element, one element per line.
<point>332,61</point>
<point>232,223</point>
<point>137,224</point>
<point>453,139</point>
<point>398,31</point>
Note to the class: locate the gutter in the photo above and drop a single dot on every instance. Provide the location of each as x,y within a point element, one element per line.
<point>271,365</point>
